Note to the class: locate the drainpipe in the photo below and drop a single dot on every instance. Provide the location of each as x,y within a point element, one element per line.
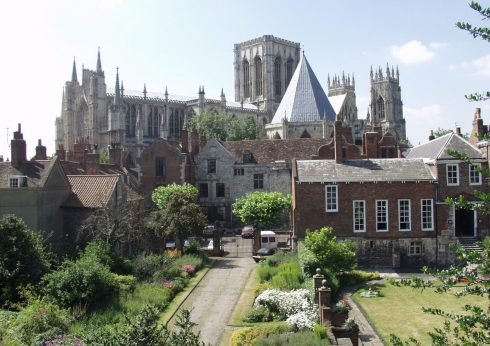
<point>436,224</point>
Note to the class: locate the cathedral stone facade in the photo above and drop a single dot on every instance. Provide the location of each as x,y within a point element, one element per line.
<point>274,84</point>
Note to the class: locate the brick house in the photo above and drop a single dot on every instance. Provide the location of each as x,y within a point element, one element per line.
<point>393,208</point>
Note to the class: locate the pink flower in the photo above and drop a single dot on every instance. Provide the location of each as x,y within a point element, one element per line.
<point>168,283</point>
<point>189,268</point>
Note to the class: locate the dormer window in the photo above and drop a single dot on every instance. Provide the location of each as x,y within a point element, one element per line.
<point>248,157</point>
<point>16,181</point>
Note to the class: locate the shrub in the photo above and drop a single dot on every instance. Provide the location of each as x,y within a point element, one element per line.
<point>83,282</point>
<point>193,248</point>
<point>64,340</point>
<point>259,314</point>
<point>144,266</point>
<point>320,331</point>
<point>37,322</point>
<point>179,284</point>
<point>167,273</point>
<point>356,277</point>
<point>280,257</point>
<point>307,261</point>
<point>23,259</point>
<point>195,260</point>
<point>175,253</point>
<point>292,339</point>
<point>147,294</point>
<point>334,255</point>
<point>332,280</point>
<point>266,272</point>
<point>247,336</point>
<point>289,277</point>
<point>124,282</point>
<point>258,289</point>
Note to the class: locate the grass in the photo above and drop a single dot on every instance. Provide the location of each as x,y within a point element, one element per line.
<point>399,311</point>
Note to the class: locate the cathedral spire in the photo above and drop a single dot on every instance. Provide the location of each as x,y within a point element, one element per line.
<point>99,64</point>
<point>144,91</point>
<point>74,72</point>
<point>166,93</point>
<point>117,94</point>
<point>371,73</point>
<point>122,89</point>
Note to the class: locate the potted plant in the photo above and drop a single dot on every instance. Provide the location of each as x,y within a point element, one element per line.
<point>340,312</point>
<point>350,329</point>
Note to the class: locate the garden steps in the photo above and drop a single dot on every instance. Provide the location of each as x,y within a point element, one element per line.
<point>470,244</point>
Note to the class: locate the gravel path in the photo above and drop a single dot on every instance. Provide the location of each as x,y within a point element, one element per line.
<point>214,298</point>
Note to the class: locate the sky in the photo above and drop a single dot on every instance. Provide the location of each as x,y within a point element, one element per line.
<point>183,44</point>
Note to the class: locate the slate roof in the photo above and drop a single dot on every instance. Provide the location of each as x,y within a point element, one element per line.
<point>304,99</point>
<point>267,150</point>
<point>364,170</point>
<point>436,149</point>
<point>36,172</point>
<point>76,168</point>
<point>90,191</point>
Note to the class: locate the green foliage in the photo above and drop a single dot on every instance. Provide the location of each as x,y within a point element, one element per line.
<point>145,265</point>
<point>261,209</point>
<point>125,283</point>
<point>143,329</point>
<point>307,261</point>
<point>332,280</point>
<point>335,255</point>
<point>223,126</point>
<point>320,331</point>
<point>192,259</point>
<point>181,216</point>
<point>103,156</point>
<point>248,336</point>
<point>441,132</point>
<point>288,277</point>
<point>162,195</point>
<point>306,338</point>
<point>83,282</point>
<point>22,259</point>
<point>258,289</point>
<point>37,322</point>
<point>259,314</point>
<point>356,277</point>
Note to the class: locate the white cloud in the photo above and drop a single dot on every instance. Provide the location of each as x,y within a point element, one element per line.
<point>421,120</point>
<point>436,45</point>
<point>412,52</point>
<point>479,66</point>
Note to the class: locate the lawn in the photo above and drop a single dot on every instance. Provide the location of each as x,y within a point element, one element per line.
<point>399,311</point>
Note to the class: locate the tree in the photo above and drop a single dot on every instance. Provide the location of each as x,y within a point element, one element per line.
<point>162,194</point>
<point>335,255</point>
<point>481,32</point>
<point>179,214</point>
<point>441,132</point>
<point>23,259</point>
<point>223,126</point>
<point>261,209</point>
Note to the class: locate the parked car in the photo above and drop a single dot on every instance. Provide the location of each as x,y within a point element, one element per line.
<point>262,253</point>
<point>248,232</point>
<point>208,230</point>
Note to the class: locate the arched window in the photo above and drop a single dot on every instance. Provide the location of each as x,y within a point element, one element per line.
<point>277,77</point>
<point>131,121</point>
<point>150,123</point>
<point>156,122</point>
<point>289,70</point>
<point>258,76</point>
<point>381,108</point>
<point>246,78</point>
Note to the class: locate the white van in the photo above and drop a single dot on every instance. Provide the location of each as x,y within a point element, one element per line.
<point>268,239</point>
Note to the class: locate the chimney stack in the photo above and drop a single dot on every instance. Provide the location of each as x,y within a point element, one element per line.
<point>92,164</point>
<point>40,151</point>
<point>337,135</point>
<point>458,131</point>
<point>432,137</point>
<point>61,152</point>
<point>115,154</point>
<point>194,142</point>
<point>18,148</point>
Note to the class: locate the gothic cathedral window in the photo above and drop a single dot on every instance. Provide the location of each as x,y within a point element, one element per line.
<point>246,78</point>
<point>277,77</point>
<point>258,76</point>
<point>381,108</point>
<point>289,71</point>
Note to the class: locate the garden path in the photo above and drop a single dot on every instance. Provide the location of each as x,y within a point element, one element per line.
<point>214,298</point>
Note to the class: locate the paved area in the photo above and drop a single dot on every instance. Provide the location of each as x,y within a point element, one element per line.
<point>367,335</point>
<point>215,297</point>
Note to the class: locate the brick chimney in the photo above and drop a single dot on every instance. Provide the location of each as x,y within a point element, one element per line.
<point>40,151</point>
<point>61,152</point>
<point>18,148</point>
<point>92,164</point>
<point>458,131</point>
<point>431,136</point>
<point>202,142</point>
<point>115,154</point>
<point>370,144</point>
<point>80,150</point>
<point>184,138</point>
<point>337,137</point>
<point>194,142</point>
